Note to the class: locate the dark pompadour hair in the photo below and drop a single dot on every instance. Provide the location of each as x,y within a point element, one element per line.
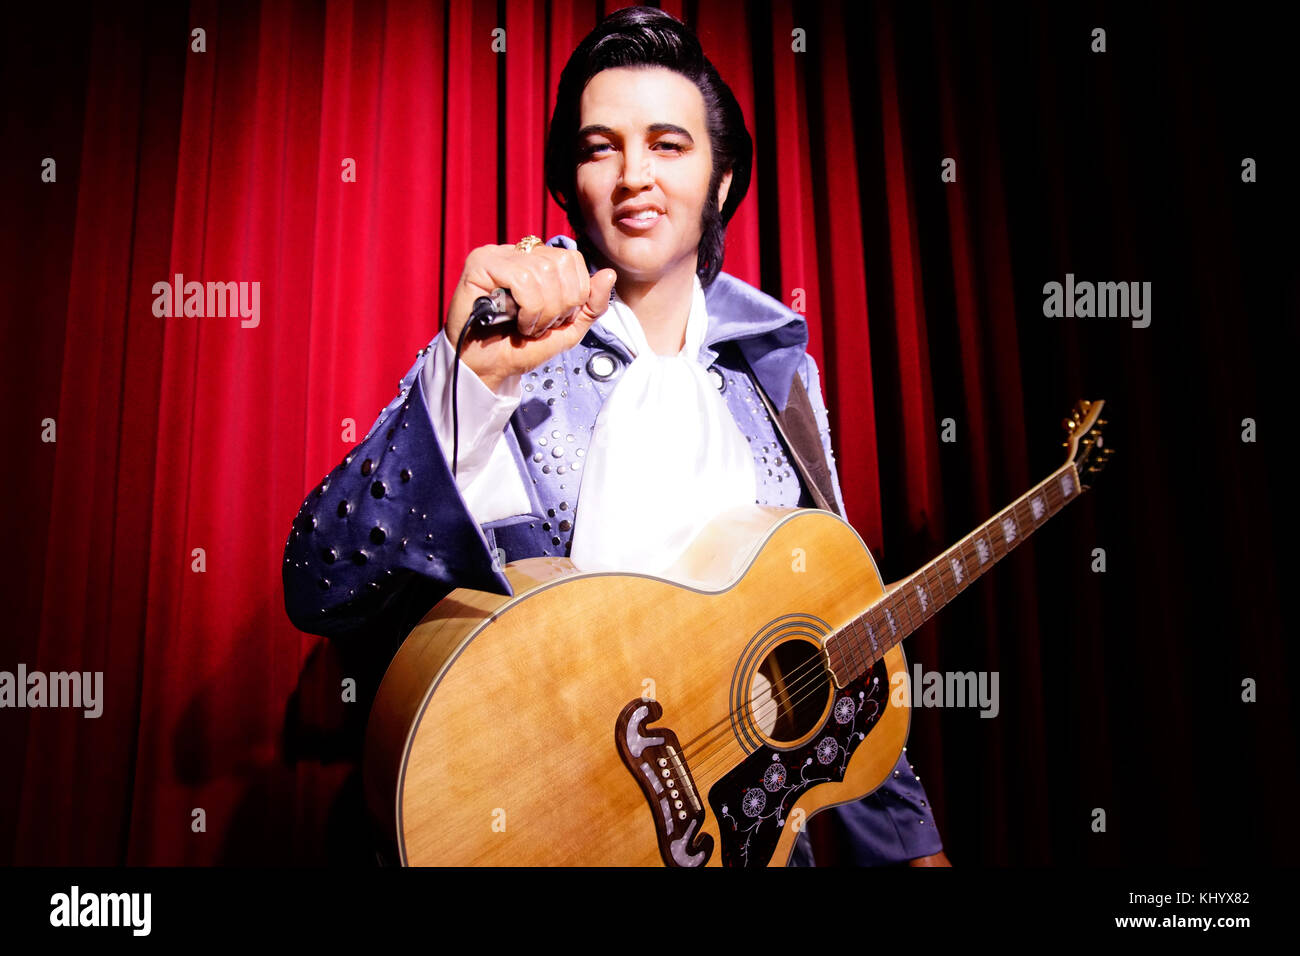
<point>647,36</point>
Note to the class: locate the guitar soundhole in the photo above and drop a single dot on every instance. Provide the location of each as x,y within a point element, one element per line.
<point>791,692</point>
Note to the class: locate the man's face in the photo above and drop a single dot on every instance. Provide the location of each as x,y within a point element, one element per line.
<point>643,141</point>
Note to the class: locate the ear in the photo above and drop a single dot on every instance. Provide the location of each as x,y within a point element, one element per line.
<point>723,188</point>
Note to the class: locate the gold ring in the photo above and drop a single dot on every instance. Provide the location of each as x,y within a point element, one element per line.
<point>527,242</point>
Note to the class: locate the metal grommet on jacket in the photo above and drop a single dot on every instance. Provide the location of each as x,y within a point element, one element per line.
<point>603,366</point>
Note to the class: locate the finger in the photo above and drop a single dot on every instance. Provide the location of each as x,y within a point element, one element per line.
<point>570,287</point>
<point>579,267</point>
<point>547,266</point>
<point>598,301</point>
<point>526,289</point>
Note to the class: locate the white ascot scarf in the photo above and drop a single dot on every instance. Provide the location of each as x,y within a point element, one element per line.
<point>666,455</point>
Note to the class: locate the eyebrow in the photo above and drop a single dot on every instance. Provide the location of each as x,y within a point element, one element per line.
<point>601,130</point>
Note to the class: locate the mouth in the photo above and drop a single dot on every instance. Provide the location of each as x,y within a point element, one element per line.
<point>640,221</point>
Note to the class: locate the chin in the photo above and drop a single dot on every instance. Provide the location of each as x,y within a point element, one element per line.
<point>633,262</point>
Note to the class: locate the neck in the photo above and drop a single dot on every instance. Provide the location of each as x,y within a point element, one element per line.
<point>853,649</point>
<point>662,306</point>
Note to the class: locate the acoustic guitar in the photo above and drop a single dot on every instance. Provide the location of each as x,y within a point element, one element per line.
<point>698,718</point>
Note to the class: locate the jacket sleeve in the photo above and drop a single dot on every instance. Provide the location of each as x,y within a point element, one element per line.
<point>486,474</point>
<point>387,533</point>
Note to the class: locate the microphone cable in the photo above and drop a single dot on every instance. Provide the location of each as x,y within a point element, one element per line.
<point>490,311</point>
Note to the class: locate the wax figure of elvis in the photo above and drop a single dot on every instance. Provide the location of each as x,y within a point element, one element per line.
<point>622,416</point>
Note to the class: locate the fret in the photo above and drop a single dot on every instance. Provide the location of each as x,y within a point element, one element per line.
<point>837,645</point>
<point>1005,534</point>
<point>1051,493</point>
<point>865,656</point>
<point>1068,486</point>
<point>1039,510</point>
<point>992,535</point>
<point>855,652</point>
<point>941,579</point>
<point>891,620</point>
<point>1037,506</point>
<point>933,588</point>
<point>912,599</point>
<point>992,539</point>
<point>1008,530</point>
<point>921,588</point>
<point>868,644</point>
<point>965,555</point>
<point>895,611</point>
<point>984,553</point>
<point>962,556</point>
<point>943,574</point>
<point>890,630</point>
<point>953,567</point>
<point>877,650</point>
<point>1058,496</point>
<point>860,655</point>
<point>926,594</point>
<point>1024,517</point>
<point>943,571</point>
<point>835,657</point>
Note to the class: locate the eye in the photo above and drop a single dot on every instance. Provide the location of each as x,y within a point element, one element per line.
<point>591,149</point>
<point>678,147</point>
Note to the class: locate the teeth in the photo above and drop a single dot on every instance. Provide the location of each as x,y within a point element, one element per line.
<point>646,214</point>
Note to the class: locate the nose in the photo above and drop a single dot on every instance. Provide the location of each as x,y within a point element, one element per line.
<point>638,167</point>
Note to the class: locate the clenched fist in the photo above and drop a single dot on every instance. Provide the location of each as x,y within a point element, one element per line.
<point>557,300</point>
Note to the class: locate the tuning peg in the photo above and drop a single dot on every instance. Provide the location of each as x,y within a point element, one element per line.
<point>1069,424</point>
<point>1101,421</point>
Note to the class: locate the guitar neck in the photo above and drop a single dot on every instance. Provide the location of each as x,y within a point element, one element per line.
<point>853,649</point>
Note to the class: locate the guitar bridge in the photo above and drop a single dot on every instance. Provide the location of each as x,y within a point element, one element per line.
<point>655,759</point>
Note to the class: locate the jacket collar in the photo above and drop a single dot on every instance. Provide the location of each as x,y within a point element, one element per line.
<point>772,337</point>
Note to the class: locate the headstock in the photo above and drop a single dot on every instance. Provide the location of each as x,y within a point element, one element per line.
<point>1084,444</point>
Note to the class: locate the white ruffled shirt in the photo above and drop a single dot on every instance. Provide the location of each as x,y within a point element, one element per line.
<point>666,454</point>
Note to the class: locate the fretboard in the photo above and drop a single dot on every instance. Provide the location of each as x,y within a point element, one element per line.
<point>854,648</point>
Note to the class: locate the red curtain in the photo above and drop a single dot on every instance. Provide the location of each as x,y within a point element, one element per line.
<point>147,539</point>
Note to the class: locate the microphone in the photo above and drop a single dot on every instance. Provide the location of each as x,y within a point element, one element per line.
<point>498,310</point>
<point>495,310</point>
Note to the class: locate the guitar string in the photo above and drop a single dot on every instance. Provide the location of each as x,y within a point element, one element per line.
<point>814,670</point>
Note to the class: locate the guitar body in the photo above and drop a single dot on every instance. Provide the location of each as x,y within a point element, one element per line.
<point>554,727</point>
